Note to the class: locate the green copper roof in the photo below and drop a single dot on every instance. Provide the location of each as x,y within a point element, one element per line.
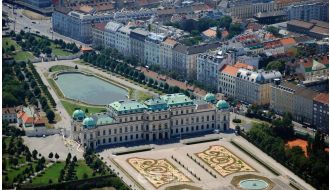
<point>156,104</point>
<point>178,99</point>
<point>103,119</point>
<point>222,104</point>
<point>89,122</point>
<point>127,106</point>
<point>78,114</point>
<point>209,97</point>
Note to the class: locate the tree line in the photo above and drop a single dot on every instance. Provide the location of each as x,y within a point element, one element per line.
<point>111,60</point>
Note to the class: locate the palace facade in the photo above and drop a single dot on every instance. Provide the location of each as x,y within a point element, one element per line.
<point>159,118</point>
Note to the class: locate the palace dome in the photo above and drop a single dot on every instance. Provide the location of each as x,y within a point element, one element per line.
<point>222,104</point>
<point>209,97</point>
<point>78,115</point>
<point>89,122</point>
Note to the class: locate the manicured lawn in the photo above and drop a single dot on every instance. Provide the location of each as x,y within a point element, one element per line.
<point>7,42</point>
<point>58,51</point>
<point>21,160</point>
<point>60,68</point>
<point>82,168</point>
<point>15,172</point>
<point>55,88</point>
<point>53,173</point>
<point>70,107</point>
<point>22,56</point>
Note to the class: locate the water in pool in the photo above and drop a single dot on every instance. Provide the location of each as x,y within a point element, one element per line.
<point>253,184</point>
<point>89,89</point>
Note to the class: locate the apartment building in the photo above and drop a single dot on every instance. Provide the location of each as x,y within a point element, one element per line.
<point>309,11</point>
<point>137,40</point>
<point>152,48</point>
<point>209,64</point>
<point>254,86</point>
<point>321,112</point>
<point>288,97</point>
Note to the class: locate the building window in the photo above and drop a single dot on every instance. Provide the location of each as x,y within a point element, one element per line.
<point>115,139</point>
<point>103,132</point>
<point>207,126</point>
<point>212,117</point>
<point>109,131</point>
<point>126,130</point>
<point>207,118</point>
<point>181,121</point>
<point>115,131</point>
<point>176,130</point>
<point>181,130</point>
<point>125,138</point>
<point>136,128</point>
<point>109,140</point>
<point>120,139</point>
<point>213,125</point>
<point>159,117</point>
<point>197,128</point>
<point>98,133</point>
<point>103,141</point>
<point>131,128</point>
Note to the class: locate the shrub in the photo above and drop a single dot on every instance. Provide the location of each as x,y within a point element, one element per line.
<point>237,121</point>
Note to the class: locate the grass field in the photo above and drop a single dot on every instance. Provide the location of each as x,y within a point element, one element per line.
<point>60,68</point>
<point>53,173</point>
<point>7,42</point>
<point>70,107</point>
<point>82,168</point>
<point>15,172</point>
<point>22,56</point>
<point>58,51</point>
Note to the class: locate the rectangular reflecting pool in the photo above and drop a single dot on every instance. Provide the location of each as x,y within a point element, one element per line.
<point>89,89</point>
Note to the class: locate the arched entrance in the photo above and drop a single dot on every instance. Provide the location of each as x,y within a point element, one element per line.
<point>160,135</point>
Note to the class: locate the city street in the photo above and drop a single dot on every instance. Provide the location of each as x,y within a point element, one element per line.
<point>44,27</point>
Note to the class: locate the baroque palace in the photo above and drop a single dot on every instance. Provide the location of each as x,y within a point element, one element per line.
<point>160,118</point>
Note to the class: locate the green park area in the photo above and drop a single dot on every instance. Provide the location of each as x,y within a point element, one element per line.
<point>58,51</point>
<point>56,68</point>
<point>12,48</point>
<point>70,107</point>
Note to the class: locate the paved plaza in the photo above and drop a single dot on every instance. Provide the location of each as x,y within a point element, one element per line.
<point>55,144</point>
<point>211,165</point>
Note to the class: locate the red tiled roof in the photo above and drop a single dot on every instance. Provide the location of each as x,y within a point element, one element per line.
<point>287,41</point>
<point>243,65</point>
<point>100,26</point>
<point>322,97</point>
<point>230,70</point>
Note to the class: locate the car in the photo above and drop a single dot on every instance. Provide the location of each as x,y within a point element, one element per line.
<point>216,131</point>
<point>33,22</point>
<point>37,32</point>
<point>25,27</point>
<point>20,16</point>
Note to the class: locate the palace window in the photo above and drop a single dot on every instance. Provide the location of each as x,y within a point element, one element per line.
<point>109,140</point>
<point>120,130</point>
<point>103,132</point>
<point>98,133</point>
<point>109,131</point>
<point>131,128</point>
<point>103,141</point>
<point>136,136</point>
<point>115,131</point>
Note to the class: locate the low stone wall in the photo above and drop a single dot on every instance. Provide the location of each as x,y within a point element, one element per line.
<point>41,131</point>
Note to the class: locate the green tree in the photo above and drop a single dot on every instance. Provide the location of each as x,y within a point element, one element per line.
<point>50,116</point>
<point>273,30</point>
<point>50,156</point>
<point>276,65</point>
<point>57,156</point>
<point>225,21</point>
<point>34,154</point>
<point>12,48</point>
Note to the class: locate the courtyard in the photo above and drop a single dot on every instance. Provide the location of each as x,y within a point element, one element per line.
<point>211,165</point>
